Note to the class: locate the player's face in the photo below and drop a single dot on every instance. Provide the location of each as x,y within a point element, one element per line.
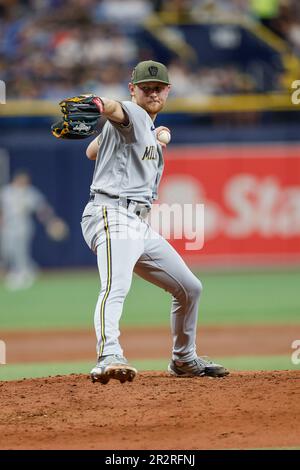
<point>151,96</point>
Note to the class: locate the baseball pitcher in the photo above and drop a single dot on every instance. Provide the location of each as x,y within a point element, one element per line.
<point>128,168</point>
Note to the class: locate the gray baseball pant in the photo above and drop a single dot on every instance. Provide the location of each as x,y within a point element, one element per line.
<point>124,243</point>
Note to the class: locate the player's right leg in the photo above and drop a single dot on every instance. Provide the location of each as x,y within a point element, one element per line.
<point>115,264</point>
<point>117,253</point>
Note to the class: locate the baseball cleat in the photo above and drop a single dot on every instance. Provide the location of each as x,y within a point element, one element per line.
<point>113,367</point>
<point>198,367</point>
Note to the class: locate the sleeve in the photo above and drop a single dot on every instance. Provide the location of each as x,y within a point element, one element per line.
<point>135,113</point>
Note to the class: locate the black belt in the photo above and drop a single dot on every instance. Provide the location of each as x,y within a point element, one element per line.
<point>140,209</point>
<point>92,197</point>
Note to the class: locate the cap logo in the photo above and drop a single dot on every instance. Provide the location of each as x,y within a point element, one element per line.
<point>153,71</point>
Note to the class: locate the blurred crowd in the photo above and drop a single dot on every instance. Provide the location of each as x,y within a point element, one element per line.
<point>50,49</point>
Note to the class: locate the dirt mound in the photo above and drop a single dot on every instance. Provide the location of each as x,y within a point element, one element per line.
<point>156,411</point>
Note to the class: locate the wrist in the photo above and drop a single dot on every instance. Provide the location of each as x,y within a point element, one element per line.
<point>99,103</point>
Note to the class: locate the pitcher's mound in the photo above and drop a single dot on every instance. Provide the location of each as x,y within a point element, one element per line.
<point>156,411</point>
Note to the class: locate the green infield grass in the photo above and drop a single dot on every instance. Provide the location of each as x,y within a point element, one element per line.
<point>31,370</point>
<point>67,300</point>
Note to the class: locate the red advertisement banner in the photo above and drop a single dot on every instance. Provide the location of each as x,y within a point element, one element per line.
<point>251,197</point>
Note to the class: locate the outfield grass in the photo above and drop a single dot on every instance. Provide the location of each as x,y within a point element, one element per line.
<point>20,371</point>
<point>66,300</point>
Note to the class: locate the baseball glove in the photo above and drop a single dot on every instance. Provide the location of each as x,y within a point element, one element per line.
<point>80,117</point>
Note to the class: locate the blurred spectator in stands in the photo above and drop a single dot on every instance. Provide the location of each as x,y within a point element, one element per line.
<point>68,48</point>
<point>219,9</point>
<point>131,11</point>
<point>288,24</point>
<point>176,10</point>
<point>50,49</point>
<point>266,11</point>
<point>294,35</point>
<point>107,81</point>
<point>157,5</point>
<point>183,80</point>
<point>280,16</point>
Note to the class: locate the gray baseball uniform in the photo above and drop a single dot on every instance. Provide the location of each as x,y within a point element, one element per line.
<point>17,205</point>
<point>127,172</point>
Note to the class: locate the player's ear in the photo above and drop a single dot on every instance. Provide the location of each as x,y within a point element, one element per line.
<point>131,89</point>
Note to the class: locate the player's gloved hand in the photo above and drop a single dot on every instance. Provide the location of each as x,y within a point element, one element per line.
<point>80,117</point>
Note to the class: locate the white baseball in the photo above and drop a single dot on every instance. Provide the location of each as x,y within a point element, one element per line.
<point>164,136</point>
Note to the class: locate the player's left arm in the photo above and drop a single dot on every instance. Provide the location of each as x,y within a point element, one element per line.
<point>93,147</point>
<point>56,228</point>
<point>114,111</point>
